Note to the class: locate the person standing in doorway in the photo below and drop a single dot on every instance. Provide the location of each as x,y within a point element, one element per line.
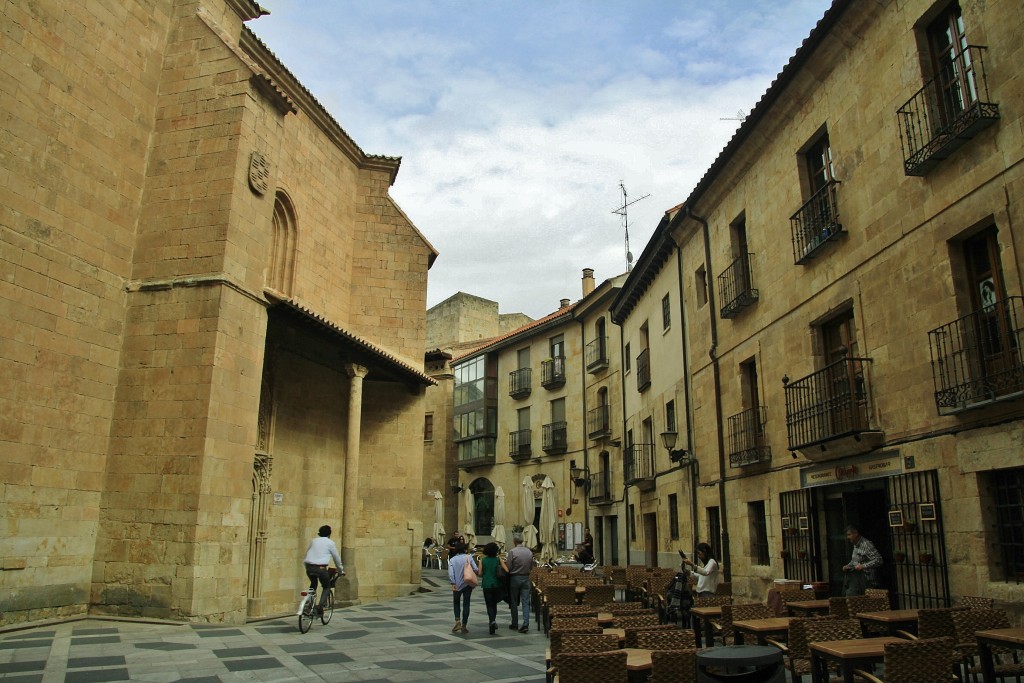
<point>862,571</point>
<point>706,571</point>
<point>520,563</point>
<point>319,554</point>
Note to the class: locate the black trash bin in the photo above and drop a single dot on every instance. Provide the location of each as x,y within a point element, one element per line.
<point>741,664</point>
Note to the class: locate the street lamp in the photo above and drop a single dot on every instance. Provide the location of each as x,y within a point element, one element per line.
<point>681,456</point>
<point>455,485</point>
<point>580,477</point>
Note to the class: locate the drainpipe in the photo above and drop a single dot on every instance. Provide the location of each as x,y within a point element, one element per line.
<point>622,439</point>
<point>716,371</point>
<point>586,437</point>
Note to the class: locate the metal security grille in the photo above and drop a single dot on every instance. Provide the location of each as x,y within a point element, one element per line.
<point>798,524</point>
<point>919,549</point>
<point>1008,493</point>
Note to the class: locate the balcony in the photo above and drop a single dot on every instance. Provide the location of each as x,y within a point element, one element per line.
<point>736,287</point>
<point>828,412</point>
<point>519,383</point>
<point>816,224</point>
<point>977,360</point>
<point>474,452</point>
<point>519,447</point>
<point>643,370</point>
<point>553,438</point>
<point>596,355</point>
<point>552,373</point>
<point>948,111</point>
<point>747,439</point>
<point>598,424</point>
<point>600,488</point>
<point>638,468</point>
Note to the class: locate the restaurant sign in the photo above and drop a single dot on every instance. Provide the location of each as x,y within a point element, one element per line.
<point>886,464</point>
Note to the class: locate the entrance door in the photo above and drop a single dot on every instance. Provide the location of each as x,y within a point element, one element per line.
<point>613,538</point>
<point>864,506</point>
<point>651,538</point>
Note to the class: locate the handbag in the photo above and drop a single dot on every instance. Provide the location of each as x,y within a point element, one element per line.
<point>469,577</point>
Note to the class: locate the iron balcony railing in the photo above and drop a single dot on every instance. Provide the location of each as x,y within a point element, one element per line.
<point>519,447</point>
<point>736,287</point>
<point>829,404</point>
<point>977,359</point>
<point>816,223</point>
<point>747,443</point>
<point>600,487</point>
<point>949,110</point>
<point>519,382</point>
<point>598,424</point>
<point>639,464</point>
<point>596,354</point>
<point>553,438</point>
<point>643,370</point>
<point>552,373</point>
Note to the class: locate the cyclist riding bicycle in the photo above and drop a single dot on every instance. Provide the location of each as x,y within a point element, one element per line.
<point>320,552</point>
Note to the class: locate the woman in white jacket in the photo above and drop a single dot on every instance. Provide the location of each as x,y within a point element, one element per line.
<point>707,571</point>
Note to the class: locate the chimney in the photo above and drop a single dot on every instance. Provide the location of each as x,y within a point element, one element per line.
<point>588,281</point>
<point>563,303</point>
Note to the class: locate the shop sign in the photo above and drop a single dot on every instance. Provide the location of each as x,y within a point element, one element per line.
<point>886,464</point>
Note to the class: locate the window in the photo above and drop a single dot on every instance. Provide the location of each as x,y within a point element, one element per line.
<point>483,506</point>
<point>818,164</point>
<point>632,522</point>
<point>1007,490</point>
<point>558,346</point>
<point>643,360</point>
<point>714,527</point>
<point>281,270</point>
<point>475,406</point>
<point>673,516</point>
<point>666,312</point>
<point>951,66</point>
<point>428,427</point>
<point>626,357</point>
<point>758,532</point>
<point>670,416</point>
<point>736,289</point>
<point>700,285</point>
<point>816,223</point>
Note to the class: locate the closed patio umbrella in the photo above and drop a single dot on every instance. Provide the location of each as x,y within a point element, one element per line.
<point>470,524</point>
<point>548,520</point>
<point>438,517</point>
<point>499,517</point>
<point>529,530</point>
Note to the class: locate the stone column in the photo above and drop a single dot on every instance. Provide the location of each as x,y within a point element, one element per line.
<point>349,585</point>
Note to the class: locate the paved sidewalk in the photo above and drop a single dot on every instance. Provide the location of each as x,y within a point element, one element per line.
<point>405,640</point>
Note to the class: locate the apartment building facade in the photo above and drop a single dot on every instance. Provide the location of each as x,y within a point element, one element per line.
<point>849,270</point>
<point>214,324</point>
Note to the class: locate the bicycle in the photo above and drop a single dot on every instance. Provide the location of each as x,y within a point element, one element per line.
<point>309,602</point>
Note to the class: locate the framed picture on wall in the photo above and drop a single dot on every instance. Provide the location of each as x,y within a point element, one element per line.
<point>803,523</point>
<point>786,523</point>
<point>926,512</point>
<point>895,517</point>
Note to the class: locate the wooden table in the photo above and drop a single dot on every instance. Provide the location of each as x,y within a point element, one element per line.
<point>893,620</point>
<point>702,617</point>
<point>760,628</point>
<point>1008,637</point>
<point>848,654</point>
<point>605,618</point>
<point>620,632</point>
<point>805,608</point>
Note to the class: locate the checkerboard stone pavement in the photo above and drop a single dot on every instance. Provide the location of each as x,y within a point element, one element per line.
<point>404,640</point>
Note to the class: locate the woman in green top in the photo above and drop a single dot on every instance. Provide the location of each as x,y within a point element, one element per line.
<point>494,586</point>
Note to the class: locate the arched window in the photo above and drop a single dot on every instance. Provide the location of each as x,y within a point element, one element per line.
<point>483,506</point>
<point>281,270</point>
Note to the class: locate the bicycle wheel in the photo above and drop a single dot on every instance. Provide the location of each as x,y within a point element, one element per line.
<point>307,613</point>
<point>325,618</point>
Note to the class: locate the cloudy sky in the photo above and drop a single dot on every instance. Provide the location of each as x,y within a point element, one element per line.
<point>516,120</point>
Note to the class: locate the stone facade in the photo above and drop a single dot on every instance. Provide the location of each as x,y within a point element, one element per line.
<point>215,324</point>
<point>827,263</point>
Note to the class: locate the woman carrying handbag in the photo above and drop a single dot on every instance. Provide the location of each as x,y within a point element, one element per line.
<point>462,574</point>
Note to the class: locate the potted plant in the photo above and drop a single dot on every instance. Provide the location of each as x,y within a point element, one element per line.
<point>784,554</point>
<point>899,556</point>
<point>908,525</point>
<point>925,558</point>
<point>802,554</point>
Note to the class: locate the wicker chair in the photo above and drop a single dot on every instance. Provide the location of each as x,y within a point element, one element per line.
<point>673,666</point>
<point>616,576</point>
<point>974,602</point>
<point>556,595</point>
<point>877,592</point>
<point>866,603</point>
<point>633,631</point>
<point>573,611</point>
<point>556,637</point>
<point>806,630</point>
<point>666,639</point>
<point>598,667</point>
<point>574,622</point>
<point>599,595</point>
<point>965,623</point>
<point>633,620</point>
<point>731,613</point>
<point>589,581</point>
<point>625,608</point>
<point>838,607</point>
<point>927,659</point>
<point>636,575</point>
<point>724,588</point>
<point>933,623</point>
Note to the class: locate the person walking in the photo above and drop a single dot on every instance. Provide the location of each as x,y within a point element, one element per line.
<point>706,571</point>
<point>520,562</point>
<point>460,589</point>
<point>319,554</point>
<point>493,585</point>
<point>865,560</point>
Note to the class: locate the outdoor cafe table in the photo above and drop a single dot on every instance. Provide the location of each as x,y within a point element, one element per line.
<point>702,621</point>
<point>1007,637</point>
<point>893,620</point>
<point>620,632</point>
<point>760,628</point>
<point>848,654</point>
<point>805,608</point>
<point>638,663</point>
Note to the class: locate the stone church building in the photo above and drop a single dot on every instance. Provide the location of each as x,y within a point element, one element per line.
<point>213,324</point>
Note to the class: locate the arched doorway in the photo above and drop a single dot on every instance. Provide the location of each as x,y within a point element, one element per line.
<point>483,506</point>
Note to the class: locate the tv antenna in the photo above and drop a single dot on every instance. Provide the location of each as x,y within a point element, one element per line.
<point>623,211</point>
<point>741,116</point>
